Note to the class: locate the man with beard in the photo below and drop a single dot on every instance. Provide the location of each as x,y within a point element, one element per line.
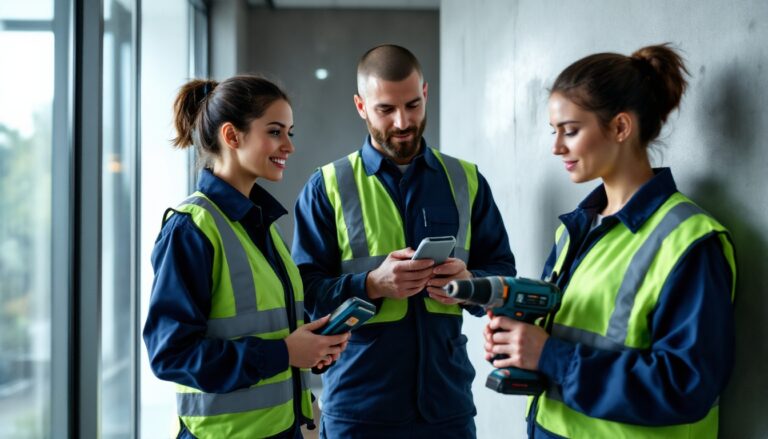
<point>405,373</point>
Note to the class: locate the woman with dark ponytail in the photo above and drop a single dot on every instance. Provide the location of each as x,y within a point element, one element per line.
<point>226,316</point>
<point>642,345</point>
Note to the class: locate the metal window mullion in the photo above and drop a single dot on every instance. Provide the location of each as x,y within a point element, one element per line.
<point>191,152</point>
<point>62,238</point>
<point>136,229</point>
<point>89,31</point>
<point>198,63</point>
<point>202,51</point>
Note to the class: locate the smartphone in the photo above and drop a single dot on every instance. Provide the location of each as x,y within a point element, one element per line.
<point>348,316</point>
<point>437,248</point>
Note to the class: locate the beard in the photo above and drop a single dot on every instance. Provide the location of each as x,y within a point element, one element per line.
<point>400,151</point>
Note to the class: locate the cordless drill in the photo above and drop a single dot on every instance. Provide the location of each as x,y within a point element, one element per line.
<point>526,300</point>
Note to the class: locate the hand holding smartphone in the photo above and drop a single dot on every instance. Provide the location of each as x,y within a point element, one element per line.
<point>437,248</point>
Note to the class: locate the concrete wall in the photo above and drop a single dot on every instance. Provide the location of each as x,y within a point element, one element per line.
<point>288,45</point>
<point>497,59</point>
<point>228,37</point>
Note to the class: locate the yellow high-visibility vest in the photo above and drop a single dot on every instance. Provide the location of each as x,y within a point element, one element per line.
<point>247,300</point>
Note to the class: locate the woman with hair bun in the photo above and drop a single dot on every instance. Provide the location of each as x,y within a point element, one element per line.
<point>642,345</point>
<point>226,315</point>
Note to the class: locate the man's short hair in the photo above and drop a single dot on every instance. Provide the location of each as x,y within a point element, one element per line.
<point>388,62</point>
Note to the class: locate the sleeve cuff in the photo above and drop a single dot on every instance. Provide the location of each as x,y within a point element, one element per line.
<point>480,273</point>
<point>272,358</point>
<point>475,310</point>
<point>556,358</point>
<point>357,282</point>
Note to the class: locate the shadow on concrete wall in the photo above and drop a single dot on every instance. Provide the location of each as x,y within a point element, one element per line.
<point>741,415</point>
<point>553,198</point>
<point>731,125</point>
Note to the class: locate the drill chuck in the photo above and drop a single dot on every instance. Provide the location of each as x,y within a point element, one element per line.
<point>488,292</point>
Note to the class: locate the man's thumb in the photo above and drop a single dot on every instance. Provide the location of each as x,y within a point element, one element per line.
<point>319,323</point>
<point>405,253</point>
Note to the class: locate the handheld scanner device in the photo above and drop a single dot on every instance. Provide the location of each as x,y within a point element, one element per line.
<point>348,316</point>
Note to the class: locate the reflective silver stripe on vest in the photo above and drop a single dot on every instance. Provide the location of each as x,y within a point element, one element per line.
<point>461,253</point>
<point>243,400</point>
<point>361,265</point>
<point>239,270</point>
<point>458,179</point>
<point>618,325</point>
<point>248,320</point>
<point>280,233</point>
<point>256,322</point>
<point>553,392</point>
<point>589,338</point>
<point>353,214</point>
<point>638,268</point>
<point>351,208</point>
<point>561,244</point>
<point>299,304</point>
<point>300,311</point>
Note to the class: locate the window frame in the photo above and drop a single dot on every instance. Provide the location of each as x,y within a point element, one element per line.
<point>76,204</point>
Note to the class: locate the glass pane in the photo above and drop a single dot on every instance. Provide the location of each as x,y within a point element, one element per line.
<point>26,10</point>
<point>118,201</point>
<point>164,68</point>
<point>26,94</point>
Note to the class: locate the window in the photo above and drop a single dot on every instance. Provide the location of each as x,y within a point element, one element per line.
<point>70,206</point>
<point>119,179</point>
<point>26,145</point>
<point>165,58</point>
